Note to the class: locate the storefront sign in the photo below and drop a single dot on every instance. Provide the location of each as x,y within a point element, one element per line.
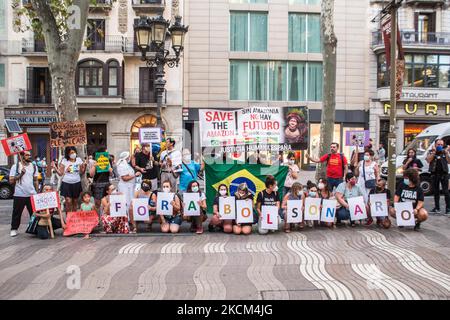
<point>33,116</point>
<point>16,144</point>
<point>416,94</point>
<point>68,133</point>
<point>433,109</point>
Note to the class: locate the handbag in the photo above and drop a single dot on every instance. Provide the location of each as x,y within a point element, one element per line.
<point>32,225</point>
<point>371,183</point>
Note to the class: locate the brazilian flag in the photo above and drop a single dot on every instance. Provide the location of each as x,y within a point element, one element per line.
<point>234,174</point>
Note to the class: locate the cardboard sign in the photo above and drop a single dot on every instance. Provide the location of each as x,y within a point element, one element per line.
<point>68,133</point>
<point>140,209</point>
<point>244,211</point>
<point>294,213</point>
<point>16,144</point>
<point>118,205</point>
<point>404,213</point>
<point>357,208</point>
<point>80,222</point>
<point>227,208</point>
<point>269,219</point>
<point>312,209</point>
<point>102,159</point>
<point>43,201</point>
<point>164,203</point>
<point>378,205</point>
<point>328,212</point>
<point>149,135</point>
<point>190,203</point>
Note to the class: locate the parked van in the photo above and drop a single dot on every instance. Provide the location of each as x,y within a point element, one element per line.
<point>422,144</point>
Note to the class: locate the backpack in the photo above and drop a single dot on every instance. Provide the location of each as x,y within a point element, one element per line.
<point>342,161</point>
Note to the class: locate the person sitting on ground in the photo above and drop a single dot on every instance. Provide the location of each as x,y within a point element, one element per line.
<point>295,193</point>
<point>215,224</point>
<point>53,215</point>
<point>86,203</point>
<point>311,192</point>
<point>325,194</point>
<point>384,222</point>
<point>267,197</point>
<point>112,224</point>
<point>197,222</point>
<point>346,190</point>
<point>170,223</point>
<point>144,192</point>
<point>243,193</point>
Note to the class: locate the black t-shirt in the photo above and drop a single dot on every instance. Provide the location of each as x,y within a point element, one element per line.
<point>267,199</point>
<point>386,191</point>
<point>101,177</point>
<point>143,161</point>
<point>407,193</point>
<point>439,163</point>
<point>416,163</point>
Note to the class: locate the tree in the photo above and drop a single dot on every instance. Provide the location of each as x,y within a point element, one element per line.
<point>329,45</point>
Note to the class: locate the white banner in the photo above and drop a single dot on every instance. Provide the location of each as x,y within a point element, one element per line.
<point>43,201</point>
<point>261,125</point>
<point>404,213</point>
<point>190,202</point>
<point>312,209</point>
<point>269,219</point>
<point>378,205</point>
<point>217,126</point>
<point>164,204</point>
<point>357,208</point>
<point>140,209</point>
<point>227,208</point>
<point>149,135</point>
<point>118,205</point>
<point>244,211</point>
<point>294,213</point>
<point>328,212</point>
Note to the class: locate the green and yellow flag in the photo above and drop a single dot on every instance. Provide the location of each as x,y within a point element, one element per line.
<point>234,174</point>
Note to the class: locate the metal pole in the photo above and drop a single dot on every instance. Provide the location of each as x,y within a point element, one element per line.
<point>393,110</point>
<point>159,86</point>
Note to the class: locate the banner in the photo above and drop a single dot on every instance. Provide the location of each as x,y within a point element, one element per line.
<point>16,144</point>
<point>232,175</point>
<point>269,216</point>
<point>80,222</point>
<point>46,200</point>
<point>328,210</point>
<point>68,133</point>
<point>294,213</point>
<point>357,208</point>
<point>404,214</point>
<point>227,208</point>
<point>244,211</point>
<point>386,32</point>
<point>312,209</point>
<point>357,138</point>
<point>149,135</point>
<point>164,203</point>
<point>118,206</point>
<point>102,159</point>
<point>140,209</point>
<point>378,205</point>
<point>255,129</point>
<point>190,202</point>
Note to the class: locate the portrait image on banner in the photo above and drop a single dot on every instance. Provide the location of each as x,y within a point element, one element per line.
<point>296,132</point>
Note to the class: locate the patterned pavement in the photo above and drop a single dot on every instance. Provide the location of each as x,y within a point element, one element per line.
<point>317,263</point>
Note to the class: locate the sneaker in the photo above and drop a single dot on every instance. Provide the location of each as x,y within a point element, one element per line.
<point>353,224</point>
<point>199,230</point>
<point>211,228</point>
<point>417,226</point>
<point>13,233</point>
<point>436,210</point>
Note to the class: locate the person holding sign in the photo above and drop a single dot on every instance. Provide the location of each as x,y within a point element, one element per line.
<point>112,224</point>
<point>146,165</point>
<point>368,174</point>
<point>71,168</point>
<point>216,223</point>
<point>171,164</point>
<point>311,192</point>
<point>24,176</point>
<point>144,192</point>
<point>243,193</point>
<point>197,221</point>
<point>100,180</point>
<point>267,197</point>
<point>295,193</point>
<point>380,189</point>
<point>173,222</point>
<point>127,177</point>
<point>325,194</point>
<point>44,217</point>
<point>346,190</point>
<point>410,190</point>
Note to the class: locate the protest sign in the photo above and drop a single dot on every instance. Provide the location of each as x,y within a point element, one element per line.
<point>404,213</point>
<point>190,202</point>
<point>357,138</point>
<point>328,210</point>
<point>43,201</point>
<point>68,133</point>
<point>16,144</point>
<point>269,219</point>
<point>80,222</point>
<point>102,159</point>
<point>312,209</point>
<point>378,205</point>
<point>227,208</point>
<point>118,205</point>
<point>140,209</point>
<point>217,127</point>
<point>244,211</point>
<point>164,204</point>
<point>294,212</point>
<point>357,208</point>
<point>149,135</point>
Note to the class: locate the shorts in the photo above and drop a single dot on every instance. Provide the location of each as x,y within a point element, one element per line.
<point>98,189</point>
<point>174,220</point>
<point>71,190</point>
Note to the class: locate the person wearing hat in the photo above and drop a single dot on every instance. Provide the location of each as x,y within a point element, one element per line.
<point>171,164</point>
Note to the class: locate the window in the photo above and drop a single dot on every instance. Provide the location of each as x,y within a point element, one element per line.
<point>96,34</point>
<point>248,31</point>
<point>276,80</point>
<point>310,2</point>
<point>2,75</point>
<point>113,78</point>
<point>2,17</point>
<point>304,33</point>
<point>90,78</point>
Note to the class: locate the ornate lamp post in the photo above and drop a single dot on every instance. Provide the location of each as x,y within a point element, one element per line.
<point>152,35</point>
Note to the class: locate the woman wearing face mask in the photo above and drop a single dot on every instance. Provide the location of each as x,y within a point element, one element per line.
<point>368,174</point>
<point>267,197</point>
<point>310,193</point>
<point>215,223</point>
<point>71,169</point>
<point>243,193</point>
<point>346,190</point>
<point>144,192</point>
<point>190,170</point>
<point>325,194</point>
<point>169,223</point>
<point>295,193</point>
<point>292,175</point>
<point>112,224</point>
<point>411,161</point>
<point>197,222</point>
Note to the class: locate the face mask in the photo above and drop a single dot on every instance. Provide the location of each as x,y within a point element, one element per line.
<point>321,186</point>
<point>145,187</point>
<point>73,156</point>
<point>187,158</point>
<point>275,189</point>
<point>406,181</point>
<point>166,189</point>
<point>312,193</point>
<point>439,148</point>
<point>195,189</point>
<point>366,158</point>
<point>223,193</point>
<point>291,162</point>
<point>352,182</point>
<point>299,193</point>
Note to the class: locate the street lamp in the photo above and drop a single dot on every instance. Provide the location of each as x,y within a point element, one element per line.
<point>151,36</point>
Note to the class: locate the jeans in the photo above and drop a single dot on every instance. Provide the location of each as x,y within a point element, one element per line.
<point>19,203</point>
<point>332,182</point>
<point>437,181</point>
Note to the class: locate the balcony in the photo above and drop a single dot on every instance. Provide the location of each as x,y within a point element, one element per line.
<point>18,97</point>
<point>108,44</point>
<point>102,6</point>
<point>33,47</point>
<point>424,2</point>
<point>416,40</point>
<point>148,6</point>
<point>134,96</point>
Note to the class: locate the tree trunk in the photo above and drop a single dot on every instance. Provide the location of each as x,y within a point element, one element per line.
<point>329,42</point>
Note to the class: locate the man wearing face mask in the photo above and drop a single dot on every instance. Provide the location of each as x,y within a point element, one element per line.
<point>190,170</point>
<point>146,165</point>
<point>24,176</point>
<point>439,158</point>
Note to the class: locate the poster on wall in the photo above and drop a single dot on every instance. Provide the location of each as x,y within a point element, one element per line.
<point>67,133</point>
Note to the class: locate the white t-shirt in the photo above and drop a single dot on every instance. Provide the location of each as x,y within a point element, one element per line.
<point>25,186</point>
<point>289,179</point>
<point>124,169</point>
<point>176,158</point>
<point>73,176</point>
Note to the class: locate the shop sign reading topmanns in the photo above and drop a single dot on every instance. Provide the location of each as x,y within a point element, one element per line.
<point>68,133</point>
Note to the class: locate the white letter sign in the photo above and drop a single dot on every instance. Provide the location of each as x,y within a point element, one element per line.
<point>140,209</point>
<point>294,213</point>
<point>118,205</point>
<point>43,201</point>
<point>357,208</point>
<point>269,219</point>
<point>164,203</point>
<point>312,209</point>
<point>190,202</point>
<point>404,213</point>
<point>378,205</point>
<point>244,211</point>
<point>227,208</point>
<point>328,210</point>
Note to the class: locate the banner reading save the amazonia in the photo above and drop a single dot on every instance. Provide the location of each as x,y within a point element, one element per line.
<point>255,129</point>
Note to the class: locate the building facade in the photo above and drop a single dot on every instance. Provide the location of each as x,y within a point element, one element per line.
<point>115,91</point>
<point>425,32</point>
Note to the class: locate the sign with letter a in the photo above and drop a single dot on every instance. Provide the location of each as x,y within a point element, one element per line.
<point>378,205</point>
<point>405,214</point>
<point>227,208</point>
<point>328,210</point>
<point>118,205</point>
<point>163,204</point>
<point>269,219</point>
<point>244,211</point>
<point>312,209</point>
<point>294,212</point>
<point>191,206</point>
<point>357,208</point>
<point>140,209</point>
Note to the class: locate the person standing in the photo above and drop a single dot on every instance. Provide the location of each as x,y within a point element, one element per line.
<point>381,154</point>
<point>337,165</point>
<point>292,175</point>
<point>127,177</point>
<point>100,181</point>
<point>24,177</point>
<point>190,170</point>
<point>146,164</point>
<point>368,174</point>
<point>439,158</point>
<point>171,164</point>
<point>411,161</point>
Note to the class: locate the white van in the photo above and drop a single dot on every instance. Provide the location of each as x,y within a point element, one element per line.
<point>422,144</point>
